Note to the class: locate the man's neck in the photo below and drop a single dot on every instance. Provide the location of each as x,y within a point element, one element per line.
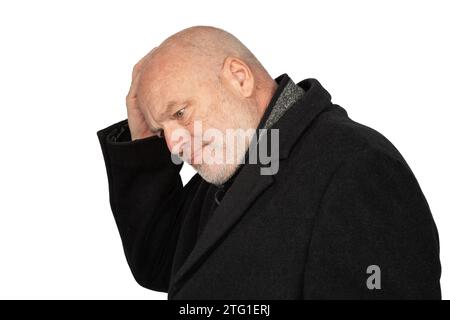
<point>265,98</point>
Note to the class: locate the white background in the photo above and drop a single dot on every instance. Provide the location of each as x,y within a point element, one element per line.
<point>65,68</point>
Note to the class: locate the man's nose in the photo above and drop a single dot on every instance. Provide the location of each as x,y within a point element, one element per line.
<point>176,138</point>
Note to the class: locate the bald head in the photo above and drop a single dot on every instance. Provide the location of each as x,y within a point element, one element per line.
<point>213,44</point>
<point>204,48</point>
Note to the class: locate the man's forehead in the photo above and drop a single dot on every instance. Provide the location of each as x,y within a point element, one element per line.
<point>158,93</point>
<point>166,85</point>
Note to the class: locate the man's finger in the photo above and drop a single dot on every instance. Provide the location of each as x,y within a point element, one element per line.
<point>136,75</point>
<point>138,66</point>
<point>133,87</point>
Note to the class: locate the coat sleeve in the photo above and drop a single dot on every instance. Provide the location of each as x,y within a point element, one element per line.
<point>374,236</point>
<point>147,198</point>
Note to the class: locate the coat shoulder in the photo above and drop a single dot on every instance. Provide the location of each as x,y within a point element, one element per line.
<point>333,136</point>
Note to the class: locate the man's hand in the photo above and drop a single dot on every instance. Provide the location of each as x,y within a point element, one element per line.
<point>136,121</point>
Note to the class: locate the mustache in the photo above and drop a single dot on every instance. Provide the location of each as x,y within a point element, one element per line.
<point>187,152</point>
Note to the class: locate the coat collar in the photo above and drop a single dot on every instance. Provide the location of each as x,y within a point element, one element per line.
<point>297,117</point>
<point>296,120</point>
<point>249,184</point>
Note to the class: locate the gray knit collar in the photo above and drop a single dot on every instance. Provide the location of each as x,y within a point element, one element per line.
<point>284,97</point>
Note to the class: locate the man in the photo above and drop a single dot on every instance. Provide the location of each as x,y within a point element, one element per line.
<point>337,213</point>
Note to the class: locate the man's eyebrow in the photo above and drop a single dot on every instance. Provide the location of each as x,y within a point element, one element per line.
<point>170,105</point>
<point>168,110</point>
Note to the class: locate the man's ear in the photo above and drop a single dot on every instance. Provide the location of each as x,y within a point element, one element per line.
<point>238,76</point>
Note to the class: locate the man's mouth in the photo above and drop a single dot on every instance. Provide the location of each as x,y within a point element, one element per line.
<point>196,155</point>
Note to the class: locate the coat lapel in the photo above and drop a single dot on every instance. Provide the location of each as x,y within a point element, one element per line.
<point>248,185</point>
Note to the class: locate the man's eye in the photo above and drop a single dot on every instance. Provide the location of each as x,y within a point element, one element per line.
<point>179,114</point>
